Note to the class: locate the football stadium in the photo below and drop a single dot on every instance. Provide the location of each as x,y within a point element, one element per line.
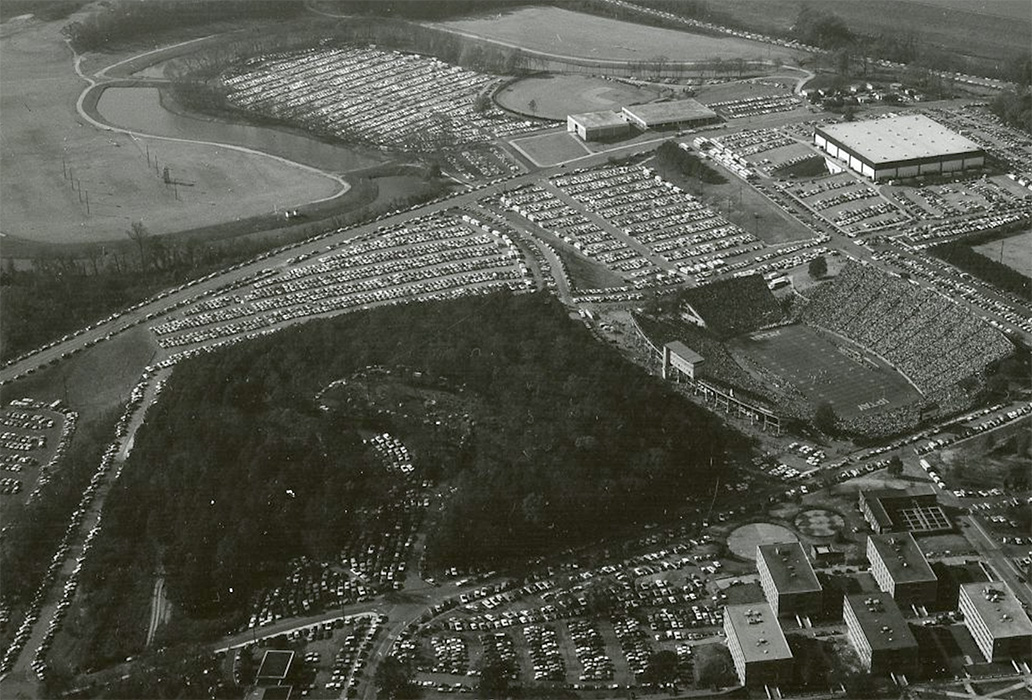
<point>883,353</point>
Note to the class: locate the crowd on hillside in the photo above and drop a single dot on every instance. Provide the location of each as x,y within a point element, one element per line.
<point>737,305</point>
<point>928,337</point>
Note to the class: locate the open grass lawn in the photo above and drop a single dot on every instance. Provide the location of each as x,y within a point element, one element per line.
<point>551,148</point>
<point>753,212</point>
<point>983,30</point>
<point>585,274</point>
<point>565,33</point>
<point>44,137</point>
<point>985,460</point>
<point>556,96</point>
<point>1014,252</point>
<point>96,380</point>
<point>814,365</point>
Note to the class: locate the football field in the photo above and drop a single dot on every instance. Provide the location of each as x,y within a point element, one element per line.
<point>826,368</point>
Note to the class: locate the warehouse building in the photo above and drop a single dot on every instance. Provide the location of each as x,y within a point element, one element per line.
<point>900,568</point>
<point>899,147</point>
<point>879,633</point>
<point>595,126</point>
<point>788,580</point>
<point>996,620</point>
<point>758,646</point>
<point>665,115</point>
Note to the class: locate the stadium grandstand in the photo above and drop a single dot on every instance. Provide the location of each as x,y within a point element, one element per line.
<point>732,306</point>
<point>933,341</point>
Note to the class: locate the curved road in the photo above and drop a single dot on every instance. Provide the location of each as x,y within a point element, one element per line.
<point>97,120</point>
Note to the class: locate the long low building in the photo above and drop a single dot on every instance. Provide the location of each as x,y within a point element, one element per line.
<point>880,634</point>
<point>659,115</point>
<point>915,509</point>
<point>997,620</point>
<point>899,147</point>
<point>901,569</point>
<point>758,646</point>
<point>593,126</point>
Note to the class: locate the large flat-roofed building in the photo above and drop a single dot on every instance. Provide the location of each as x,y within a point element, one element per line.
<point>899,147</point>
<point>788,580</point>
<point>900,568</point>
<point>659,115</point>
<point>996,620</point>
<point>593,126</point>
<point>879,633</point>
<point>915,510</point>
<point>758,646</point>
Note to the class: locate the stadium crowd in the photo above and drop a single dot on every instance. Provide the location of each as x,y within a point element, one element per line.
<point>933,341</point>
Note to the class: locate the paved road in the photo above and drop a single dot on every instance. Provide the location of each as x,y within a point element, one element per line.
<point>986,545</point>
<point>21,681</point>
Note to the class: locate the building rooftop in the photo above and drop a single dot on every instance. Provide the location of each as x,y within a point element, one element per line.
<point>593,120</point>
<point>789,567</point>
<point>904,560</point>
<point>899,138</point>
<point>1001,612</point>
<point>669,112</point>
<point>884,503</point>
<point>684,352</point>
<point>881,621</point>
<point>758,632</point>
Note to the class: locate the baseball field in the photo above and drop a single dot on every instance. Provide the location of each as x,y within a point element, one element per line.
<point>66,181</point>
<point>556,96</point>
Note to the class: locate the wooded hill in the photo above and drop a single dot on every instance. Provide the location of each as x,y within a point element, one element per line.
<point>237,470</point>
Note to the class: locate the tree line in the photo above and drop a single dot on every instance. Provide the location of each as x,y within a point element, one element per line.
<point>960,254</point>
<point>56,295</point>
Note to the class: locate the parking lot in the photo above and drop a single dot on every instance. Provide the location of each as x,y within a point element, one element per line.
<point>381,98</point>
<point>33,438</point>
<point>434,257</point>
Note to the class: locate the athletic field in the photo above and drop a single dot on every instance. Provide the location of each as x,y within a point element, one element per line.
<point>560,32</point>
<point>826,368</point>
<point>550,149</point>
<point>556,96</point>
<point>1013,251</point>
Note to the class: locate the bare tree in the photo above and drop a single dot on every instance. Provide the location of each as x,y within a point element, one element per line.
<point>139,233</point>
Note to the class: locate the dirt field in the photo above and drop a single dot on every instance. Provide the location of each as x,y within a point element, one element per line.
<point>565,33</point>
<point>1016,252</point>
<point>46,141</point>
<point>557,96</point>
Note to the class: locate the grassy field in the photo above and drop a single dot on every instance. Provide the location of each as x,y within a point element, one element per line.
<point>556,96</point>
<point>549,149</point>
<point>814,365</point>
<point>1016,252</point>
<point>743,540</point>
<point>982,30</point>
<point>44,139</point>
<point>564,33</point>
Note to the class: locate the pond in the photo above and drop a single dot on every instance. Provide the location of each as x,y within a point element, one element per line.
<point>139,109</point>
